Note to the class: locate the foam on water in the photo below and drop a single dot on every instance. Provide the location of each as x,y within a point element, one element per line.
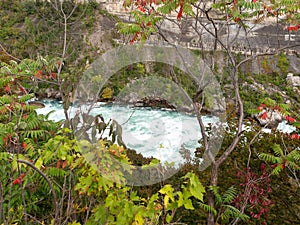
<point>152,132</point>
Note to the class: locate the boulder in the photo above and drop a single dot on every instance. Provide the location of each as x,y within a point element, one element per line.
<point>37,104</point>
<point>293,80</point>
<point>269,118</point>
<point>51,93</point>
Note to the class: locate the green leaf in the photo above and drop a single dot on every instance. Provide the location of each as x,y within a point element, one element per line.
<point>38,164</point>
<point>229,195</point>
<point>277,169</point>
<point>296,124</point>
<point>207,208</point>
<point>277,150</point>
<point>188,204</point>
<point>168,218</point>
<point>180,199</point>
<point>270,158</point>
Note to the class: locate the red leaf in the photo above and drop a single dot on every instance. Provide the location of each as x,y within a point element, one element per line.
<point>237,19</point>
<point>141,8</point>
<point>294,136</point>
<point>53,75</point>
<point>180,12</point>
<point>134,37</point>
<point>6,140</point>
<point>264,116</point>
<point>22,89</point>
<point>277,107</point>
<point>290,119</point>
<point>293,28</point>
<point>24,145</point>
<point>17,181</point>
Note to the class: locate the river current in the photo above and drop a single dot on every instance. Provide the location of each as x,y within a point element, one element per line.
<point>151,132</point>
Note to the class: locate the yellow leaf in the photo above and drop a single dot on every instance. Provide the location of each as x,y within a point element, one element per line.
<point>39,163</point>
<point>107,93</point>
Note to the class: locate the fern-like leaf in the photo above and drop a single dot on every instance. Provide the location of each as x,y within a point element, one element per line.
<point>277,169</point>
<point>5,99</point>
<point>229,195</point>
<point>277,150</point>
<point>294,155</point>
<point>26,98</point>
<point>232,212</point>
<point>270,158</point>
<point>207,208</point>
<point>55,172</point>
<point>38,134</point>
<point>215,190</point>
<point>293,165</point>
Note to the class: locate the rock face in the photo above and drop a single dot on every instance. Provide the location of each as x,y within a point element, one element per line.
<point>293,80</point>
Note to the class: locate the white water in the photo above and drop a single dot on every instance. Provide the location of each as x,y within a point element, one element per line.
<point>152,132</point>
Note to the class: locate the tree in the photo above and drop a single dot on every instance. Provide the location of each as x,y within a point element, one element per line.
<point>209,21</point>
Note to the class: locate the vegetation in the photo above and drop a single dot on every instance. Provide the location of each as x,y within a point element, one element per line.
<point>52,173</point>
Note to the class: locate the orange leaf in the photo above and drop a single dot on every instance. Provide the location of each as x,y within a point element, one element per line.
<point>38,74</point>
<point>264,116</point>
<point>24,145</point>
<point>7,88</point>
<point>64,164</point>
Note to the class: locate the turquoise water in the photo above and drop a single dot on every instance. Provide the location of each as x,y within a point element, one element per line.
<point>151,132</point>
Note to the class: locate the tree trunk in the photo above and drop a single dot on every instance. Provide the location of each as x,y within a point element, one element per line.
<point>211,197</point>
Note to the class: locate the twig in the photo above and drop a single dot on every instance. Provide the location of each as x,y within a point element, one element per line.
<point>3,49</point>
<point>54,199</point>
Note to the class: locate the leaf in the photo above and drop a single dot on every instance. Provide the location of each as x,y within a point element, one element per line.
<point>215,190</point>
<point>38,164</point>
<point>277,150</point>
<point>277,169</point>
<point>296,124</point>
<point>229,195</point>
<point>138,218</point>
<point>107,93</point>
<point>168,218</point>
<point>188,204</point>
<point>207,208</point>
<point>269,102</point>
<point>269,158</point>
<point>196,188</point>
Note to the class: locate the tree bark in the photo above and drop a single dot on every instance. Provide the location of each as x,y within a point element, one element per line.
<point>211,197</point>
